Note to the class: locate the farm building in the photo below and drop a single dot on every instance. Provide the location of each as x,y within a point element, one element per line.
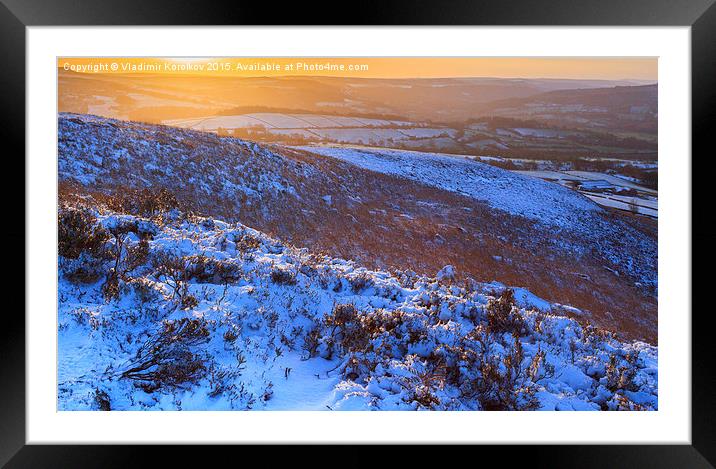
<point>595,185</point>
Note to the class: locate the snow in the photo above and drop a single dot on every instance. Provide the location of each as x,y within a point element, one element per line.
<point>268,365</point>
<point>646,203</point>
<point>446,273</point>
<point>617,181</point>
<point>637,204</point>
<point>106,154</point>
<point>514,193</point>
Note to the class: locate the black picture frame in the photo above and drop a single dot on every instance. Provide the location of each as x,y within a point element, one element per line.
<point>16,15</point>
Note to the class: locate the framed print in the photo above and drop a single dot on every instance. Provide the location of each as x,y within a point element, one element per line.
<point>359,234</point>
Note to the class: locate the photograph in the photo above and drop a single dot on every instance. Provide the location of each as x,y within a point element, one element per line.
<point>357,233</point>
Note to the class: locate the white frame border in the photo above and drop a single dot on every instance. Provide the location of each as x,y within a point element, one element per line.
<point>670,424</point>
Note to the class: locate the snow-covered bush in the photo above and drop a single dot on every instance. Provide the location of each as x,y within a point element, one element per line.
<point>283,276</point>
<point>204,269</point>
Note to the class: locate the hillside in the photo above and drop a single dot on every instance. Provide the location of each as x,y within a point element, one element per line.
<point>168,311</point>
<point>619,109</point>
<point>492,225</point>
<point>147,97</point>
<point>507,191</point>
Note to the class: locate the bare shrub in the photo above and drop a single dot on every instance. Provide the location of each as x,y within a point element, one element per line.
<point>110,287</point>
<point>503,316</point>
<point>145,203</point>
<point>247,242</point>
<point>126,257</point>
<point>101,400</point>
<point>497,382</point>
<point>230,336</point>
<point>621,377</point>
<point>282,276</point>
<point>621,402</point>
<point>206,269</point>
<point>361,282</point>
<point>78,232</point>
<point>347,328</point>
<point>423,385</point>
<point>222,381</point>
<point>312,341</point>
<point>84,269</point>
<point>175,272</point>
<point>167,360</point>
<point>143,289</point>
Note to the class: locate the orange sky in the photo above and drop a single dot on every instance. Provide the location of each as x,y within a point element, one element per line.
<point>359,67</point>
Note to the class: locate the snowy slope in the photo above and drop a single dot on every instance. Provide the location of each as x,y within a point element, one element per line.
<point>428,210</point>
<point>104,152</point>
<point>266,326</point>
<point>520,195</point>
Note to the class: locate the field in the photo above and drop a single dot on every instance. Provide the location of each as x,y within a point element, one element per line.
<point>609,190</point>
<point>498,138</point>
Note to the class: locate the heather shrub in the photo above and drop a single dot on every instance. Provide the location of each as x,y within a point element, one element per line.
<point>361,282</point>
<point>205,269</point>
<point>78,232</point>
<point>101,400</point>
<point>346,328</point>
<point>144,289</point>
<point>621,377</point>
<point>504,316</point>
<point>230,336</point>
<point>145,203</point>
<point>496,381</point>
<point>423,384</point>
<point>175,272</point>
<point>312,341</point>
<point>125,256</point>
<point>282,276</point>
<point>167,360</point>
<point>84,269</point>
<point>247,242</point>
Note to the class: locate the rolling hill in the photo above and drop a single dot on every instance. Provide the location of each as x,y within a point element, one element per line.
<point>554,242</point>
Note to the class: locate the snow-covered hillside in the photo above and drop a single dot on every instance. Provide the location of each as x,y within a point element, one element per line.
<point>181,312</point>
<point>430,210</point>
<point>520,195</point>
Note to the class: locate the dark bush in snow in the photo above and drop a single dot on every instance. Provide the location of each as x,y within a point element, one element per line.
<point>247,242</point>
<point>497,381</point>
<point>125,257</point>
<point>84,269</point>
<point>175,271</point>
<point>78,232</point>
<point>346,328</point>
<point>167,359</point>
<point>620,378</point>
<point>504,316</point>
<point>361,282</point>
<point>102,401</point>
<point>145,203</point>
<point>205,269</point>
<point>283,277</point>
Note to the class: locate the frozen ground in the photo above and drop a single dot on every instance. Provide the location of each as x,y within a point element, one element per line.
<point>246,322</point>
